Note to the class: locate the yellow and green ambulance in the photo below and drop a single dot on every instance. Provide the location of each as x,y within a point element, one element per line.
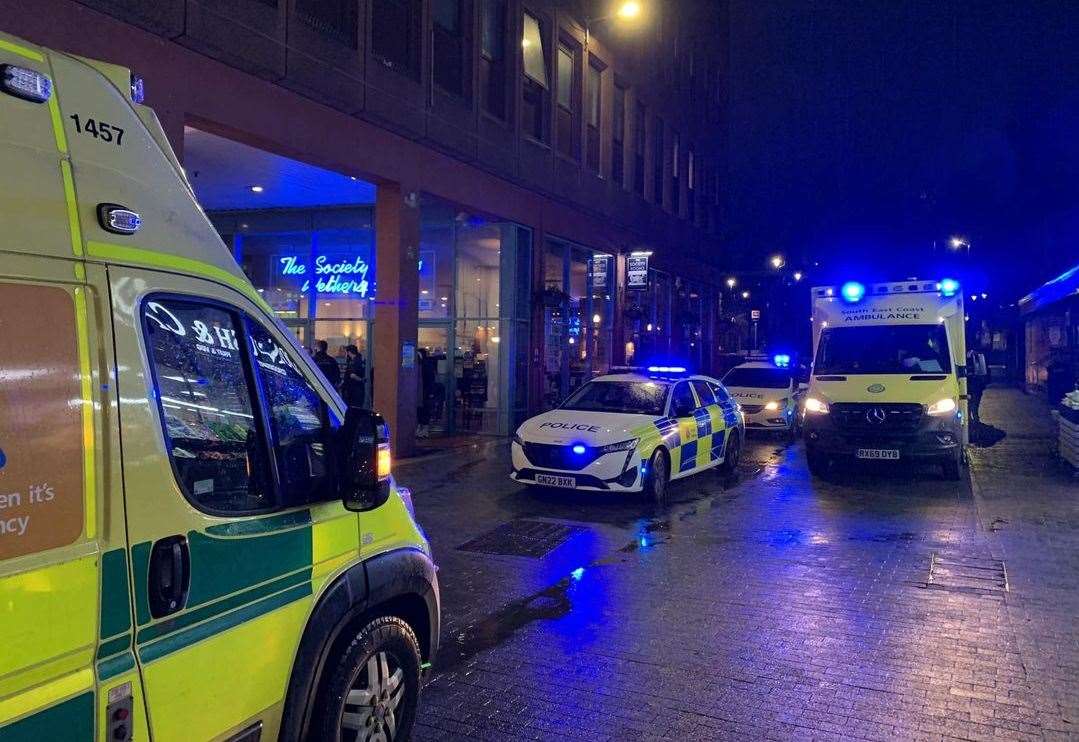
<point>198,541</point>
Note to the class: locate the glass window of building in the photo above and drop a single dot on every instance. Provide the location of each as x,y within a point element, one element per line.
<point>567,132</point>
<point>639,138</point>
<point>335,18</point>
<point>535,89</point>
<point>595,82</point>
<point>618,135</point>
<point>305,239</point>
<point>676,174</point>
<point>448,47</point>
<point>578,313</point>
<point>658,160</point>
<point>474,319</point>
<point>395,34</point>
<point>493,58</point>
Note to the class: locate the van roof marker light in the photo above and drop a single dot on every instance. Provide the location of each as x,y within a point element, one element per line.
<point>948,287</point>
<point>25,83</point>
<point>852,291</point>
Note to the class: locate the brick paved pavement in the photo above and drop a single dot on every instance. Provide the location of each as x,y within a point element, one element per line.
<point>778,607</point>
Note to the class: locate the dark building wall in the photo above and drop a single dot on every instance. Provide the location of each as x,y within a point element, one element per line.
<point>290,77</point>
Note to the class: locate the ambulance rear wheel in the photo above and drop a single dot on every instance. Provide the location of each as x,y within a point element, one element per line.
<point>373,686</point>
<point>658,478</point>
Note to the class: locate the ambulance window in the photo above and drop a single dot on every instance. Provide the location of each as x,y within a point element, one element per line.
<point>296,421</point>
<point>211,430</point>
<point>704,393</point>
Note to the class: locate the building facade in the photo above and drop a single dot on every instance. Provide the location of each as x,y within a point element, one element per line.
<point>493,200</point>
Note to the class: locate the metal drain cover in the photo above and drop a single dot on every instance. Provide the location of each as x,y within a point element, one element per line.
<point>522,537</point>
<point>961,573</point>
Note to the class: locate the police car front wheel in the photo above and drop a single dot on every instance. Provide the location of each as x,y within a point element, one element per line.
<point>658,478</point>
<point>373,689</point>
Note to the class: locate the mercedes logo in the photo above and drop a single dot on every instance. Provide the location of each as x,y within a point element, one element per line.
<point>875,415</point>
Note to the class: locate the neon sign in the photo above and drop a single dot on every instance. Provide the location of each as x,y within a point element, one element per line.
<point>331,274</point>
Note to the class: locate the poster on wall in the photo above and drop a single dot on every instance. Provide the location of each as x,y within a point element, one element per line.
<point>600,265</point>
<point>637,272</point>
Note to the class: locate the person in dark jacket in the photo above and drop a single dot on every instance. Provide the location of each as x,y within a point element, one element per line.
<point>326,363</point>
<point>353,386</point>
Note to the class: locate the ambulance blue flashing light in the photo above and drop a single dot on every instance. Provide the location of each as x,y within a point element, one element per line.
<point>579,449</point>
<point>949,287</point>
<point>782,360</point>
<point>667,369</point>
<point>852,292</point>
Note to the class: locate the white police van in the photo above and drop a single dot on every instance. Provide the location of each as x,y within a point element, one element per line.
<point>769,394</point>
<point>631,431</point>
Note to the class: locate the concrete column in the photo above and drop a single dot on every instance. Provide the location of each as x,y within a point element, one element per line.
<point>397,238</point>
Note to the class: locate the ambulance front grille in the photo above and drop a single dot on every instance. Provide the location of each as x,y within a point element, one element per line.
<point>865,417</point>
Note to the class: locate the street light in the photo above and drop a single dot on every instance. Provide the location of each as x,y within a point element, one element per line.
<point>628,10</point>
<point>778,262</point>
<point>732,282</point>
<point>745,294</point>
<point>798,275</point>
<point>959,243</point>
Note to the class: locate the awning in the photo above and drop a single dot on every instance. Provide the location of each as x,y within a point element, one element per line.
<point>1064,285</point>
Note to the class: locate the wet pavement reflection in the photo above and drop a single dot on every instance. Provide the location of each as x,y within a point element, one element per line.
<point>764,604</point>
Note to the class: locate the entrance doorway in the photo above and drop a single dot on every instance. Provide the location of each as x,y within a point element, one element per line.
<point>436,391</point>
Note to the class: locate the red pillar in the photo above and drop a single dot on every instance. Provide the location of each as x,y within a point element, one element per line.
<point>397,237</point>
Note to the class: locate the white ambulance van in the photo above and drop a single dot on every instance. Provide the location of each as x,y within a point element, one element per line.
<point>888,379</point>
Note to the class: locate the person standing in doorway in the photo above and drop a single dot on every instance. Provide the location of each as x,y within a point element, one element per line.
<point>977,381</point>
<point>353,386</point>
<point>326,363</point>
<point>423,409</point>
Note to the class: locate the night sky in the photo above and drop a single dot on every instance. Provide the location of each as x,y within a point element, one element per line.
<point>860,132</point>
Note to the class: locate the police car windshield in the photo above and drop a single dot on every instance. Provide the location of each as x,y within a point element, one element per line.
<point>758,378</point>
<point>633,397</point>
<point>883,349</point>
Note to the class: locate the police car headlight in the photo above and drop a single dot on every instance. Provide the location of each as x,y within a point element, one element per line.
<point>816,406</point>
<point>623,446</point>
<point>943,407</point>
<point>772,406</point>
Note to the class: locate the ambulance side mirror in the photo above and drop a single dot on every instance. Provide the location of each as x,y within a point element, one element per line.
<point>363,460</point>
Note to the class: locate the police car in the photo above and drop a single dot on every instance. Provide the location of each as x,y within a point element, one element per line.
<point>631,431</point>
<point>768,393</point>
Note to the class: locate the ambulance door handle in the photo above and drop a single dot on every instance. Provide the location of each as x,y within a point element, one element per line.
<point>169,576</point>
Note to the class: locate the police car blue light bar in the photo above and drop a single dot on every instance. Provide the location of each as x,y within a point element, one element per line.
<point>852,291</point>
<point>24,83</point>
<point>667,369</point>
